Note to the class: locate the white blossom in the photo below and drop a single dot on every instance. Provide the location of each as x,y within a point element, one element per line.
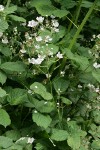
<point>35,111</point>
<point>38,38</point>
<point>56,29</point>
<point>95,65</point>
<point>32,23</point>
<point>68,119</point>
<point>79,86</point>
<point>59,55</point>
<point>5,40</point>
<point>30,140</point>
<point>37,46</point>
<point>48,75</point>
<point>98,36</point>
<point>23,51</point>
<point>1,7</point>
<point>55,23</point>
<point>40,19</point>
<point>62,73</point>
<point>36,61</point>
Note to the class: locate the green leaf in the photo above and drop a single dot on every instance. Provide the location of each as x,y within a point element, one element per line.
<point>43,106</point>
<point>86,4</point>
<point>5,142</point>
<point>74,141</point>
<point>59,135</point>
<point>10,10</point>
<point>4,118</point>
<point>40,89</point>
<point>3,77</point>
<point>75,133</point>
<point>13,134</point>
<point>66,101</point>
<point>60,84</point>
<point>17,18</point>
<point>13,66</point>
<point>17,96</point>
<point>2,92</point>
<point>96,74</point>
<point>5,50</point>
<point>60,13</point>
<point>80,60</point>
<point>3,25</point>
<point>96,144</point>
<point>41,120</point>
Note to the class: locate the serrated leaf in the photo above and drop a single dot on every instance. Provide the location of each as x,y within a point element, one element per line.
<point>3,77</point>
<point>40,89</point>
<point>5,142</point>
<point>13,66</point>
<point>59,135</point>
<point>96,74</point>
<point>17,96</point>
<point>80,60</point>
<point>43,106</point>
<point>2,92</point>
<point>10,10</point>
<point>5,50</point>
<point>41,120</point>
<point>60,13</point>
<point>96,144</point>
<point>75,133</point>
<point>4,118</point>
<point>66,101</point>
<point>3,25</point>
<point>60,84</point>
<point>13,134</point>
<point>74,142</point>
<point>17,18</point>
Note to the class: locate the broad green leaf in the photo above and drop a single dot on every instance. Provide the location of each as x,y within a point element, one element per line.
<point>74,141</point>
<point>13,66</point>
<point>40,89</point>
<point>41,120</point>
<point>2,92</point>
<point>17,96</point>
<point>3,77</point>
<point>5,50</point>
<point>66,101</point>
<point>96,74</point>
<point>96,144</point>
<point>5,142</point>
<point>86,4</point>
<point>60,84</point>
<point>13,134</point>
<point>17,18</point>
<point>10,10</point>
<point>60,13</point>
<point>3,25</point>
<point>36,3</point>
<point>4,118</point>
<point>59,135</point>
<point>45,9</point>
<point>75,133</point>
<point>15,147</point>
<point>80,60</point>
<point>43,106</point>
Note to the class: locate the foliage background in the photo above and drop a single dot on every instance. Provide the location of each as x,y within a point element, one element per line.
<point>49,75</point>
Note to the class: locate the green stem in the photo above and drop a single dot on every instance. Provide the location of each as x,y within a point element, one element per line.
<point>78,11</point>
<point>8,3</point>
<point>81,25</point>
